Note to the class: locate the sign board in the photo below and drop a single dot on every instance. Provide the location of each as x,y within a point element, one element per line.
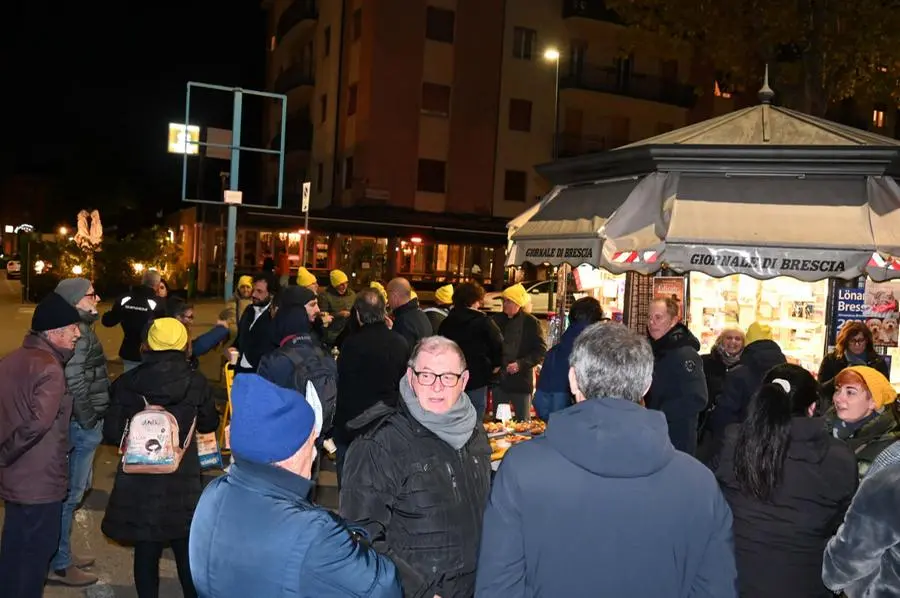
<point>670,287</point>
<point>234,197</point>
<point>306,189</point>
<point>218,137</point>
<point>875,304</point>
<point>184,139</point>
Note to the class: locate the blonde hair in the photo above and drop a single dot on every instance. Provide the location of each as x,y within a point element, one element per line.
<point>721,338</point>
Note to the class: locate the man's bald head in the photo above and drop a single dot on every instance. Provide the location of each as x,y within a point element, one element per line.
<point>399,292</point>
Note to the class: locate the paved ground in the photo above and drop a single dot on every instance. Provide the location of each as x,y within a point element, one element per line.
<point>114,562</point>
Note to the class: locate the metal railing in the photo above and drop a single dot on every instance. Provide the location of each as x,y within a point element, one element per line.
<point>296,75</point>
<point>298,11</point>
<point>633,85</point>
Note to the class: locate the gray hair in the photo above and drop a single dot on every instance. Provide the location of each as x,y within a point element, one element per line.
<point>151,278</point>
<point>435,345</point>
<point>612,362</point>
<point>369,306</point>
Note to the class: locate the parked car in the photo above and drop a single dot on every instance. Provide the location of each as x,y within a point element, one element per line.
<point>13,269</point>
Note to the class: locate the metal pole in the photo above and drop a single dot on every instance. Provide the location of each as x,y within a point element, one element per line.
<point>556,114</point>
<point>305,237</point>
<point>231,237</point>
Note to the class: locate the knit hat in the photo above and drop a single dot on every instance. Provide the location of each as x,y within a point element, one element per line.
<point>167,334</point>
<point>758,332</point>
<point>337,278</point>
<point>269,423</point>
<point>245,281</point>
<point>305,278</point>
<point>295,296</point>
<point>517,294</point>
<point>53,312</point>
<point>413,294</point>
<point>880,388</point>
<point>444,295</point>
<point>380,288</point>
<point>73,290</point>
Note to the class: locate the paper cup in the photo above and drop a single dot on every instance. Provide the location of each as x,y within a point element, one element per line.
<point>504,412</point>
<point>233,355</point>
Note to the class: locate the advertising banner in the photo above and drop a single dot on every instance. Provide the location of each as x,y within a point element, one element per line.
<point>665,287</point>
<point>556,252</point>
<point>875,304</point>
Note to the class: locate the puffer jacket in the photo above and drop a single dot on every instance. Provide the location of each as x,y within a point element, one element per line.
<point>330,301</point>
<point>868,440</point>
<point>86,375</point>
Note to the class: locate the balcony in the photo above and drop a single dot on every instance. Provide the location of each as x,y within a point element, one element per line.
<point>578,145</point>
<point>590,9</point>
<point>296,75</point>
<point>297,12</point>
<point>299,133</point>
<point>632,85</point>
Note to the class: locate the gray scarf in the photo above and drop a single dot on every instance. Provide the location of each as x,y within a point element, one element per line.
<point>454,427</point>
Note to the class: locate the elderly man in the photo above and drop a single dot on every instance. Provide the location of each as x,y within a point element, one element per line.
<point>134,311</point>
<point>419,478</point>
<point>410,321</point>
<point>35,410</point>
<point>603,495</point>
<point>255,533</point>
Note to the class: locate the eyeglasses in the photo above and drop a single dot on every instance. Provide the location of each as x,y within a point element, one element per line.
<point>448,379</point>
<point>92,295</point>
<point>858,341</point>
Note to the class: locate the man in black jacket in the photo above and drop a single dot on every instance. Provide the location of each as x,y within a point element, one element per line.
<point>410,321</point>
<point>134,311</point>
<point>256,336</point>
<point>418,480</point>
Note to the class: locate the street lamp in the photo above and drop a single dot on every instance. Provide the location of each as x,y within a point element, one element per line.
<point>552,54</point>
<point>63,231</point>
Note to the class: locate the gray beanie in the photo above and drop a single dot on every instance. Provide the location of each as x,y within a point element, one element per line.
<point>73,290</point>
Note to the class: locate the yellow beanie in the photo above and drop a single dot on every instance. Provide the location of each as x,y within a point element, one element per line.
<point>444,295</point>
<point>245,281</point>
<point>758,332</point>
<point>167,334</point>
<point>413,294</point>
<point>305,278</point>
<point>380,288</point>
<point>337,278</point>
<point>880,388</point>
<point>517,294</point>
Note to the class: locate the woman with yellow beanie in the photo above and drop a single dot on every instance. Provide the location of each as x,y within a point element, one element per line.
<point>863,414</point>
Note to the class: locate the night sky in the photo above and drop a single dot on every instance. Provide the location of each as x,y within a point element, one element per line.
<point>89,88</point>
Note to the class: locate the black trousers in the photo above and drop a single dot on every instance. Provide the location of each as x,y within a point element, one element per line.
<point>30,539</point>
<point>146,568</point>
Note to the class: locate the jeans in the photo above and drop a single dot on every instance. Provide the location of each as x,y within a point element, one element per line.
<point>30,537</point>
<point>130,365</point>
<point>478,396</point>
<point>146,568</point>
<point>520,402</point>
<point>83,444</point>
<point>546,403</point>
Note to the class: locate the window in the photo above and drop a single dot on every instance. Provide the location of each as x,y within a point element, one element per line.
<point>357,24</point>
<point>432,176</point>
<point>439,24</point>
<point>520,115</point>
<point>524,43</point>
<point>515,187</point>
<point>272,44</point>
<point>436,99</point>
<point>323,107</point>
<point>351,100</point>
<point>326,42</point>
<point>348,172</point>
<point>878,118</point>
<point>320,177</point>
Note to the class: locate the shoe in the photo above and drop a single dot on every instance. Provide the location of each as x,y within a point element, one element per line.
<point>82,561</point>
<point>73,577</point>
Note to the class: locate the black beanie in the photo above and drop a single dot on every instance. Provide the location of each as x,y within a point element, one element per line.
<point>53,312</point>
<point>295,296</point>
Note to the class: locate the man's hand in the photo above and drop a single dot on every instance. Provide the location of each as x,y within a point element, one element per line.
<point>222,323</point>
<point>344,313</point>
<point>512,368</point>
<point>327,318</point>
<point>389,323</point>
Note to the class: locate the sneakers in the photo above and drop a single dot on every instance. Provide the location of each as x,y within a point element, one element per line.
<point>72,576</point>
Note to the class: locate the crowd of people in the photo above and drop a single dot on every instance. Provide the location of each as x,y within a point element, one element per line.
<point>661,473</point>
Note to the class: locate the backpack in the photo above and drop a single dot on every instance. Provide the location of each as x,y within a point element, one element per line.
<point>311,365</point>
<point>150,442</point>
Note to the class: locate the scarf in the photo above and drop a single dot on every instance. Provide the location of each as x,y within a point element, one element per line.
<point>856,359</point>
<point>728,360</point>
<point>454,427</point>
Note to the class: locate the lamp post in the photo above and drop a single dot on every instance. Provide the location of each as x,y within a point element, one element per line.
<point>552,54</point>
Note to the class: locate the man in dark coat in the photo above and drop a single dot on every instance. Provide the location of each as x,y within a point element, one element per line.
<point>603,504</point>
<point>134,311</point>
<point>35,409</point>
<point>255,335</point>
<point>418,480</point>
<point>410,321</point>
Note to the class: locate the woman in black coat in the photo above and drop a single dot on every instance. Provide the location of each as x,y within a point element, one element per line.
<point>151,511</point>
<point>854,346</point>
<point>788,482</point>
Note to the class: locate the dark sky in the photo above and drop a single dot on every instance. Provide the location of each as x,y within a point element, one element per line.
<point>89,87</point>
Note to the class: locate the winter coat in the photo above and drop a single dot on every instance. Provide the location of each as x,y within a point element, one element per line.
<point>331,302</point>
<point>779,542</point>
<point>208,341</point>
<point>256,337</point>
<point>555,371</point>
<point>35,409</point>
<point>370,366</point>
<point>870,439</point>
<point>715,371</point>
<point>411,323</point>
<point>863,558</point>
<point>154,507</point>
<point>743,382</point>
<point>255,533</point>
<point>679,386</point>
<point>134,311</point>
<point>603,504</point>
<point>436,316</point>
<point>420,500</point>
<point>832,365</point>
<point>233,312</point>
<point>480,340</point>
<point>523,343</point>
<point>86,375</point>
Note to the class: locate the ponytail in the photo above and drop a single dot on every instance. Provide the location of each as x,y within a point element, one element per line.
<point>763,440</point>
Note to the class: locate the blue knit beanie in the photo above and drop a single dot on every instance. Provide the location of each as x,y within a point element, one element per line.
<point>269,423</point>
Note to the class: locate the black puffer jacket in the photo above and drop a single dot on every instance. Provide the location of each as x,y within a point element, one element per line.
<point>86,375</point>
<point>480,340</point>
<point>158,508</point>
<point>421,501</point>
<point>411,323</point>
<point>134,311</point>
<point>523,343</point>
<point>742,382</point>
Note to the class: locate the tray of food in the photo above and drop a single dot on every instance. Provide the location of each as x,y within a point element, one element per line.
<point>534,427</point>
<point>499,446</point>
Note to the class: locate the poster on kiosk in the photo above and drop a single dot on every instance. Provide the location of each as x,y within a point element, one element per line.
<point>875,304</point>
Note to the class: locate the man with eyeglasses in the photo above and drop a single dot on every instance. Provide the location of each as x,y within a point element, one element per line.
<point>419,478</point>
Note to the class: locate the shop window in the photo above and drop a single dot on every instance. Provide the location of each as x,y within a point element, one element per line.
<point>432,176</point>
<point>348,172</point>
<point>326,42</point>
<point>439,24</point>
<point>323,107</point>
<point>436,99</point>
<point>357,24</point>
<point>352,93</point>
<point>515,186</point>
<point>320,177</point>
<point>524,43</point>
<point>520,115</point>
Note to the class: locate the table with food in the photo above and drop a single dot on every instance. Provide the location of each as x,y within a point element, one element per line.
<point>503,435</point>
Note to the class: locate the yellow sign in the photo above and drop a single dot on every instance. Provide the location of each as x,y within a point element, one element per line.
<point>184,139</point>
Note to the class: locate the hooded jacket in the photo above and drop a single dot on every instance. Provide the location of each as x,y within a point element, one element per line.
<point>604,504</point>
<point>555,371</point>
<point>480,340</point>
<point>679,385</point>
<point>86,375</point>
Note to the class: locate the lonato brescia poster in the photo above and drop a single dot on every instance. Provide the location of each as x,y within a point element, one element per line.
<point>875,304</point>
